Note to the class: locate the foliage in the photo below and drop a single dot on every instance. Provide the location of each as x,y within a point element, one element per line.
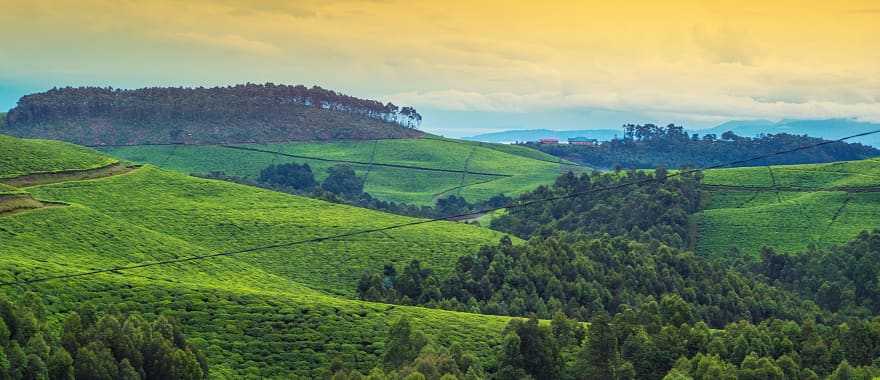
<point>241,113</point>
<point>649,145</point>
<point>342,180</point>
<point>420,183</point>
<point>788,208</point>
<point>529,350</point>
<point>643,210</point>
<point>838,278</point>
<point>251,313</point>
<point>299,177</point>
<point>93,346</point>
<point>220,216</point>
<point>19,157</point>
<point>583,277</point>
<point>411,355</point>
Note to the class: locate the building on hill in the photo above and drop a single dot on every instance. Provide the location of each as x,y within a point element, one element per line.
<point>548,141</point>
<point>582,141</point>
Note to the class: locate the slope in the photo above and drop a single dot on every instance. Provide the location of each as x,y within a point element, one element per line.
<point>404,170</point>
<point>241,113</point>
<point>250,322</point>
<point>256,315</point>
<point>20,157</point>
<point>788,207</point>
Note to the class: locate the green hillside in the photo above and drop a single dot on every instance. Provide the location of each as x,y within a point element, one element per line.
<point>250,322</point>
<point>20,157</point>
<point>414,171</point>
<point>276,313</point>
<point>788,207</point>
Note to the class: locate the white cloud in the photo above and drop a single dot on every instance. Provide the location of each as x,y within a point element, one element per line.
<point>693,106</point>
<point>231,42</point>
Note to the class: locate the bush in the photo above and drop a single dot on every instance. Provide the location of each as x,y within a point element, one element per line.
<point>342,180</point>
<point>296,176</point>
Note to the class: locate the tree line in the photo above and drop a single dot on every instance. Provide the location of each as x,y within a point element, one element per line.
<point>343,185</point>
<point>195,103</point>
<point>655,310</point>
<point>649,207</point>
<point>650,145</point>
<point>90,345</point>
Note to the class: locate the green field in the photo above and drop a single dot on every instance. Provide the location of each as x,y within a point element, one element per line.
<point>274,313</point>
<point>788,207</point>
<point>20,157</point>
<point>480,170</point>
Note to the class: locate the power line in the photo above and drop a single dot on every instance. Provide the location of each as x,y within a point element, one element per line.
<point>424,221</point>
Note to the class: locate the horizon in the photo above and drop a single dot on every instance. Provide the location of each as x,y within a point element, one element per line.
<point>471,68</point>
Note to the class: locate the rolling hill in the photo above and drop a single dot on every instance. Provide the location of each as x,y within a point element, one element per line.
<point>536,134</point>
<point>235,114</point>
<point>788,207</point>
<point>416,171</point>
<point>19,157</point>
<point>825,128</point>
<point>275,313</point>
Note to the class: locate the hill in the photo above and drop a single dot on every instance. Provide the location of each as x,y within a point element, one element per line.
<point>536,134</point>
<point>276,313</point>
<point>235,114</point>
<point>649,145</point>
<point>416,171</point>
<point>788,207</point>
<point>19,157</point>
<point>825,128</point>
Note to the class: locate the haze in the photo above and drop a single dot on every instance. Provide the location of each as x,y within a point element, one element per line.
<point>502,64</point>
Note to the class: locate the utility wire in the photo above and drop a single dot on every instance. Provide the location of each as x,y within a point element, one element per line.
<point>423,221</point>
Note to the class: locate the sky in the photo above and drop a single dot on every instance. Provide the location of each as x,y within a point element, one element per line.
<point>472,66</point>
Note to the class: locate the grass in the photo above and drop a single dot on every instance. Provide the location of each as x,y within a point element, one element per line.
<point>6,189</point>
<point>19,157</point>
<point>519,169</point>
<point>282,313</point>
<point>788,207</point>
<point>250,322</point>
<point>225,216</point>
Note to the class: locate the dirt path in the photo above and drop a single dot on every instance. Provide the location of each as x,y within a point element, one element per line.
<point>16,203</point>
<point>68,175</point>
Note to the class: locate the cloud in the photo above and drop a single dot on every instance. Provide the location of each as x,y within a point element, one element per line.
<point>726,45</point>
<point>692,106</point>
<point>232,42</point>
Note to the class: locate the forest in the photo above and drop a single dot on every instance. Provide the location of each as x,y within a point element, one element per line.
<point>648,145</point>
<point>216,115</point>
<point>193,103</point>
<point>92,345</point>
<point>656,311</point>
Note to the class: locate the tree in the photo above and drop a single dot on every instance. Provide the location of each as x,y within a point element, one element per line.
<point>597,358</point>
<point>403,344</point>
<point>533,351</point>
<point>342,180</point>
<point>292,175</point>
<point>61,365</point>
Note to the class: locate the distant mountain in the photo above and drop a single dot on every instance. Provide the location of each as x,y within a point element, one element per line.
<point>827,129</point>
<point>235,114</point>
<point>536,134</point>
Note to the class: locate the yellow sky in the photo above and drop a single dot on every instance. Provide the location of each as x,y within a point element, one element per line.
<point>699,60</point>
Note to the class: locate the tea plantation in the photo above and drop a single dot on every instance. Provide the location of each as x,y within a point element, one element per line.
<point>789,207</point>
<point>266,314</point>
<point>19,157</point>
<point>414,171</point>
